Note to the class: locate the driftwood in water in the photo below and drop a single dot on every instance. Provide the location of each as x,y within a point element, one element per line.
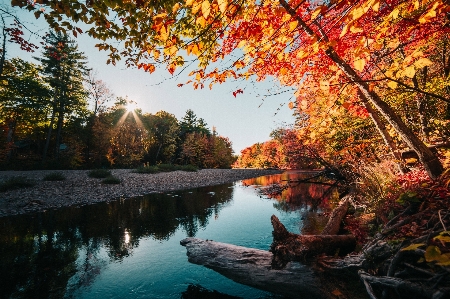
<point>288,246</point>
<point>253,267</point>
<point>334,223</point>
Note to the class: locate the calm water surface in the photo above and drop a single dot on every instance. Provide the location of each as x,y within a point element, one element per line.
<point>130,248</point>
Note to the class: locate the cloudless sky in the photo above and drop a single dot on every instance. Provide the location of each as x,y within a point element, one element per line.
<point>245,119</point>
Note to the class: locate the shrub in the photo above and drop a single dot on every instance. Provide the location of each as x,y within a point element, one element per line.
<point>54,176</point>
<point>166,167</point>
<point>111,180</point>
<point>14,183</point>
<point>99,173</point>
<point>146,169</point>
<point>188,168</point>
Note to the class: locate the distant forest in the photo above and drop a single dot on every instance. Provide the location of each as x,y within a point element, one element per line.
<point>56,114</point>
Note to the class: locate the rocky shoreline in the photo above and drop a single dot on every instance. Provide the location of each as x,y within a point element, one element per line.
<point>79,189</point>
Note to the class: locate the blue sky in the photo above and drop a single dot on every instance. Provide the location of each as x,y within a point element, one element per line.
<point>245,120</point>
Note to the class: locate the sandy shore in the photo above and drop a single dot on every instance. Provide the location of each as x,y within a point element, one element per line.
<point>79,189</point>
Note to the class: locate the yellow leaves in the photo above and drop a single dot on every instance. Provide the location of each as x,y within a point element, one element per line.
<point>293,25</point>
<point>222,5</point>
<point>376,5</point>
<point>324,86</point>
<point>430,14</point>
<point>242,44</point>
<point>359,64</point>
<point>193,48</point>
<point>319,10</point>
<point>394,14</point>
<point>409,71</point>
<point>412,247</point>
<point>357,13</point>
<point>355,29</point>
<point>175,8</point>
<point>393,44</point>
<point>156,54</point>
<point>434,254</point>
<point>201,21</point>
<point>291,105</point>
<point>206,9</point>
<point>392,84</point>
<point>301,54</point>
<point>189,2</point>
<point>196,6</point>
<point>423,62</point>
<point>344,30</point>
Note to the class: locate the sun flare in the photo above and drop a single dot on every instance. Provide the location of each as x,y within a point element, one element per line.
<point>131,106</point>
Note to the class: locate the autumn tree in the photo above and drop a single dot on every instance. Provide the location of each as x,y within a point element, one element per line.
<point>346,47</point>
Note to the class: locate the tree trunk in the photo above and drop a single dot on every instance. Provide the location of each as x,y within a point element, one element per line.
<point>390,143</point>
<point>49,135</point>
<point>10,138</point>
<point>334,223</point>
<point>59,128</point>
<point>430,161</point>
<point>3,54</point>
<point>287,246</point>
<point>253,267</point>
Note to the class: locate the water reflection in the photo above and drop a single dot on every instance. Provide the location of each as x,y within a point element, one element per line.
<point>38,252</point>
<point>310,199</point>
<point>130,248</point>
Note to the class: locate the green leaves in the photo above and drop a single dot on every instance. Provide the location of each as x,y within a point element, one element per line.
<point>408,196</point>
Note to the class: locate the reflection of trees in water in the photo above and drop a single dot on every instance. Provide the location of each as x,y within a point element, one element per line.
<point>291,195</point>
<point>43,255</point>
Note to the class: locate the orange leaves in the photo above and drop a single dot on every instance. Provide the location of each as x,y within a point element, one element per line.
<point>171,68</point>
<point>239,64</point>
<point>148,67</point>
<point>194,49</point>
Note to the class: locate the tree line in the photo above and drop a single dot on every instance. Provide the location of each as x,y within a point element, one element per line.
<point>56,113</point>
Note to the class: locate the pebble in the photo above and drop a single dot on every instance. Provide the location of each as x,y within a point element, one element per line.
<point>79,189</point>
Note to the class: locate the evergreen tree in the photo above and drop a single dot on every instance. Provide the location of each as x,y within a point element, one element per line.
<point>64,69</point>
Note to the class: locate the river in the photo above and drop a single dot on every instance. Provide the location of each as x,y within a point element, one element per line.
<point>130,248</point>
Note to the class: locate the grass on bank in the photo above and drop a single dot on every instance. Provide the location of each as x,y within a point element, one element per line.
<point>111,180</point>
<point>99,173</point>
<point>146,168</point>
<point>55,176</point>
<point>14,183</point>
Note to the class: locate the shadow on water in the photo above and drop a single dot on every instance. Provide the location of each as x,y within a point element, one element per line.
<point>38,252</point>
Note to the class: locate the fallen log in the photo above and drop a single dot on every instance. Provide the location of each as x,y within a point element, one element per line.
<point>334,223</point>
<point>287,246</point>
<point>253,267</point>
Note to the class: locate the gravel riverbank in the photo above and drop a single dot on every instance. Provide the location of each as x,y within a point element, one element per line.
<point>79,189</point>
